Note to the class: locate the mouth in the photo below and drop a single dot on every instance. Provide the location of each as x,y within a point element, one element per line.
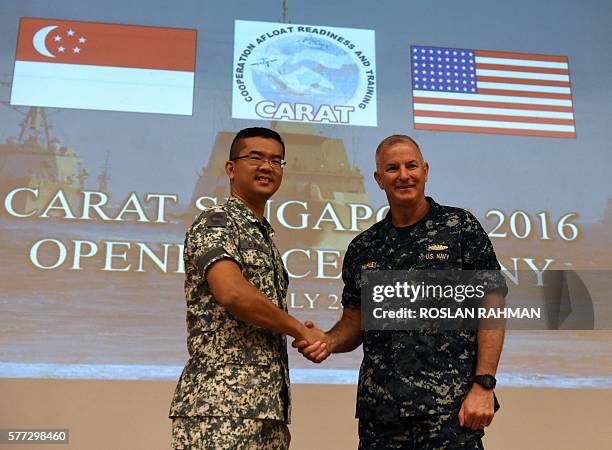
<point>263,179</point>
<point>404,187</point>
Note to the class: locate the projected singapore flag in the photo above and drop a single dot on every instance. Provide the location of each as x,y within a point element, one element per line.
<point>86,65</point>
<point>304,73</point>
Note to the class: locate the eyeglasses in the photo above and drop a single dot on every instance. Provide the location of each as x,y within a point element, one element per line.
<point>258,161</point>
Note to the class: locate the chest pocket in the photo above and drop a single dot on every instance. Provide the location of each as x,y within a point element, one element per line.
<point>260,269</point>
<point>255,254</point>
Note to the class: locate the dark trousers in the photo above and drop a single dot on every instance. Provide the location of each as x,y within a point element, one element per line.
<point>430,432</point>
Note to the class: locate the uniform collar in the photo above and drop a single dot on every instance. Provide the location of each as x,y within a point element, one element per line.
<point>248,214</point>
<point>387,231</point>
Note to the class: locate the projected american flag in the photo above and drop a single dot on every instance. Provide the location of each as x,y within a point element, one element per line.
<point>491,92</point>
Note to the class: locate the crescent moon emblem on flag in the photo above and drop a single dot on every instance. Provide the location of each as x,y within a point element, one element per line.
<point>39,41</point>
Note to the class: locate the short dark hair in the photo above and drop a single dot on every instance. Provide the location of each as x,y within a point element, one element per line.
<point>253,132</point>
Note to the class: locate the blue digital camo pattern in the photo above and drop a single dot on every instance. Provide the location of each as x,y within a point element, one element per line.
<point>433,432</point>
<point>235,369</point>
<point>410,373</point>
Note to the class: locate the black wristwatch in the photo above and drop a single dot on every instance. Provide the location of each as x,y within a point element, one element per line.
<point>486,381</point>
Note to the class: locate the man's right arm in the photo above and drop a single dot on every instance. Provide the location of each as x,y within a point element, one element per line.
<point>231,290</point>
<point>345,336</point>
<point>212,249</point>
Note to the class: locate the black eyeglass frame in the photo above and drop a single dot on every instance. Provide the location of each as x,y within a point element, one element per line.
<point>261,161</point>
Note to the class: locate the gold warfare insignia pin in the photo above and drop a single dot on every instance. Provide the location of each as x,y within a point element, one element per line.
<point>436,247</point>
<point>370,265</point>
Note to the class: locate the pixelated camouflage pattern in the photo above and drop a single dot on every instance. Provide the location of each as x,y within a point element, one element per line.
<point>228,433</point>
<point>235,369</point>
<point>435,432</point>
<point>409,373</point>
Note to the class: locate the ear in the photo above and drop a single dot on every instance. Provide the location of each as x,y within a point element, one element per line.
<point>378,179</point>
<point>230,170</point>
<point>426,171</point>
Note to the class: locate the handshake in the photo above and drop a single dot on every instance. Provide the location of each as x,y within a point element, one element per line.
<point>314,344</point>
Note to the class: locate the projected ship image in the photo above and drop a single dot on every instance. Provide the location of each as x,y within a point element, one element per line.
<point>319,180</point>
<point>37,160</point>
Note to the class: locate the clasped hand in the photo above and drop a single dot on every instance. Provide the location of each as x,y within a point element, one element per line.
<point>314,344</point>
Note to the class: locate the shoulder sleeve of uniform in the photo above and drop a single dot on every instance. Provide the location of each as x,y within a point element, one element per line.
<point>351,272</point>
<point>215,219</point>
<point>212,237</point>
<point>477,250</point>
<point>478,255</point>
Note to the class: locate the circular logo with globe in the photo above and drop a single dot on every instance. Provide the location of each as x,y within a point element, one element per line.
<point>305,69</point>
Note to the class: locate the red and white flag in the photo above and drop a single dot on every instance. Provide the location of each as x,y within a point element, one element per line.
<point>87,65</point>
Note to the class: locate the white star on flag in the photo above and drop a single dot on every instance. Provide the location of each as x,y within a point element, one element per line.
<point>70,32</point>
<point>82,40</point>
<point>76,50</point>
<point>57,38</point>
<point>493,92</point>
<point>60,49</point>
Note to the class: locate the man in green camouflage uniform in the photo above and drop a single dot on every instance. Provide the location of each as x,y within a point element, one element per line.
<point>234,390</point>
<point>417,389</point>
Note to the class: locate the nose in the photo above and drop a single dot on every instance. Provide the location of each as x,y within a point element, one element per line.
<point>266,165</point>
<point>404,173</point>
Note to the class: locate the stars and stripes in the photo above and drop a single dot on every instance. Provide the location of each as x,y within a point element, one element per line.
<point>491,92</point>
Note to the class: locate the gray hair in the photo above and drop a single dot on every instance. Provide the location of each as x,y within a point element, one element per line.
<point>395,139</point>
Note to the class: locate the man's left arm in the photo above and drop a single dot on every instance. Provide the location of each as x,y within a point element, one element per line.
<point>478,407</point>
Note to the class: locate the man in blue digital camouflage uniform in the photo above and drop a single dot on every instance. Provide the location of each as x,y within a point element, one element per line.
<point>234,391</point>
<point>426,389</point>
